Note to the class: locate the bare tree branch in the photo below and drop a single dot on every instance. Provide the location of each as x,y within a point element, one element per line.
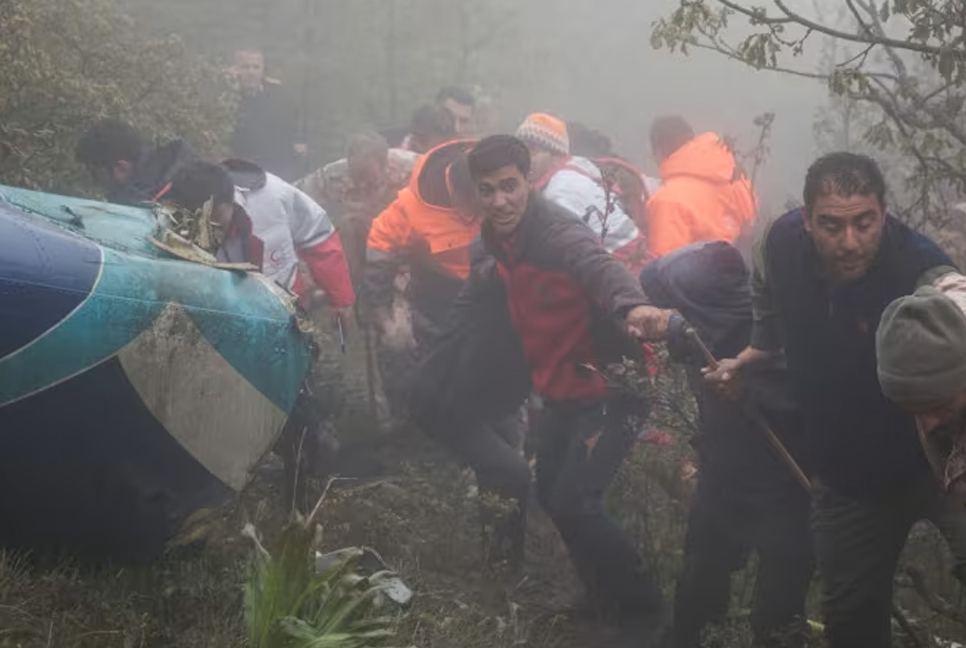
<point>859,59</point>
<point>715,44</point>
<point>758,16</point>
<point>941,89</point>
<point>864,38</point>
<point>864,27</point>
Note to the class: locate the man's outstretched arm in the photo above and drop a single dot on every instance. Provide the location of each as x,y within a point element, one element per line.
<point>765,331</point>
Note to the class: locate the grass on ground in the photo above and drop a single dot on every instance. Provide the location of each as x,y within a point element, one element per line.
<point>417,509</point>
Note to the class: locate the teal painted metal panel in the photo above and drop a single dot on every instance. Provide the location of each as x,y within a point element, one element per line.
<point>241,316</point>
<point>118,227</point>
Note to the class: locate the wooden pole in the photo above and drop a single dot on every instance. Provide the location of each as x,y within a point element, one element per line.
<point>759,420</point>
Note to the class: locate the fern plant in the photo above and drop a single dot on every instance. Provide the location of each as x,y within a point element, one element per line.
<point>289,605</point>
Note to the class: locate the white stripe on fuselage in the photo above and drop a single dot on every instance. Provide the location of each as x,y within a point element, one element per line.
<point>203,402</point>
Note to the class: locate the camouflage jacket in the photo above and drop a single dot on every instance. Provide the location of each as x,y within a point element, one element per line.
<point>334,190</point>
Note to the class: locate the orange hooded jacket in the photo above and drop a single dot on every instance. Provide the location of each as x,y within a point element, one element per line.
<point>424,229</point>
<point>705,197</point>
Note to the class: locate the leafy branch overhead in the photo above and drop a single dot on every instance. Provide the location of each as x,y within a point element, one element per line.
<point>905,60</point>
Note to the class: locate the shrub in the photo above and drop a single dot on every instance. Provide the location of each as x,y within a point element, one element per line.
<point>64,63</point>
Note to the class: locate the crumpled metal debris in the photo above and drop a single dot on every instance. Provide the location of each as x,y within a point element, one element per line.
<point>192,236</point>
<point>371,566</point>
<point>196,227</point>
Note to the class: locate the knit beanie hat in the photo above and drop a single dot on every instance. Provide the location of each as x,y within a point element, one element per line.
<point>921,347</point>
<point>546,132</point>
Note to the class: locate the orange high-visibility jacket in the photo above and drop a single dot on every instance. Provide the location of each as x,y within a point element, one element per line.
<point>705,197</point>
<point>424,229</point>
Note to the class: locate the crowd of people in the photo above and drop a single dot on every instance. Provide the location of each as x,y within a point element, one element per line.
<point>829,371</point>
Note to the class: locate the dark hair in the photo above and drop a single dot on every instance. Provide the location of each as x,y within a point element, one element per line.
<point>367,145</point>
<point>107,142</point>
<point>843,174</point>
<point>498,151</point>
<point>197,183</point>
<point>462,96</point>
<point>587,142</point>
<point>433,123</point>
<point>669,133</point>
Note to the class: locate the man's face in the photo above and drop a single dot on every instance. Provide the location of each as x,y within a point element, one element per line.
<point>462,116</point>
<point>368,175</point>
<point>222,215</point>
<point>114,178</point>
<point>250,69</point>
<point>847,233</point>
<point>503,198</point>
<point>941,414</point>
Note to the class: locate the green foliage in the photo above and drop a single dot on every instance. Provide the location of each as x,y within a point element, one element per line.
<point>664,386</point>
<point>64,63</point>
<point>289,605</point>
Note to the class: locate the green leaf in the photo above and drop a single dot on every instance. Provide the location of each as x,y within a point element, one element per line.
<point>288,605</point>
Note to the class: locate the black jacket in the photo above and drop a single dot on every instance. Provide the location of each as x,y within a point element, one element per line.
<point>707,283</point>
<point>861,443</point>
<point>266,132</point>
<point>476,370</point>
<point>153,172</point>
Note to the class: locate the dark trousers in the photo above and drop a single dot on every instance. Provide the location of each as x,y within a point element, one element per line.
<point>307,448</point>
<point>723,529</point>
<point>580,447</point>
<point>398,366</point>
<point>858,543</point>
<point>492,450</point>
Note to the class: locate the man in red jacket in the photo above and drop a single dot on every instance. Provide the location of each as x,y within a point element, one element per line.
<point>574,308</point>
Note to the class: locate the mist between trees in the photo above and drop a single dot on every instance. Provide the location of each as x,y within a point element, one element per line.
<point>372,62</point>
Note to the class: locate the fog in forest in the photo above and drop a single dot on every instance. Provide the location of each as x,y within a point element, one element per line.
<point>374,61</point>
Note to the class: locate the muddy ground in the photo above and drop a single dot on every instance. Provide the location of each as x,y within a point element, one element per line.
<point>417,508</point>
<point>410,503</point>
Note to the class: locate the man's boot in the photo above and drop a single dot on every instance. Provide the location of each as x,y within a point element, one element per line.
<point>503,530</point>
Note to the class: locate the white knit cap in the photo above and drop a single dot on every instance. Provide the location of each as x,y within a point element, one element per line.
<point>545,131</point>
